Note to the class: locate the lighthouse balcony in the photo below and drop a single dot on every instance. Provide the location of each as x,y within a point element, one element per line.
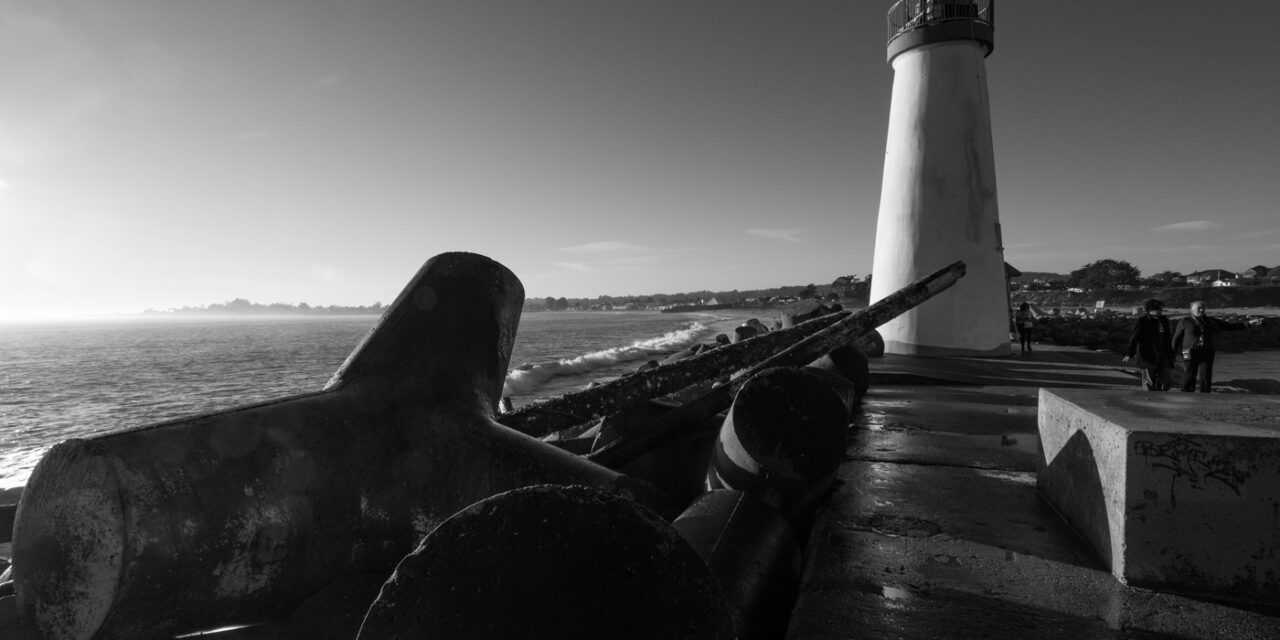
<point>913,23</point>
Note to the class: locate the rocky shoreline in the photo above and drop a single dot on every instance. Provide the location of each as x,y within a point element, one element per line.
<point>1260,297</point>
<point>1111,332</point>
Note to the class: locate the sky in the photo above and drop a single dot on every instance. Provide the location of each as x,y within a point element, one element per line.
<point>160,154</point>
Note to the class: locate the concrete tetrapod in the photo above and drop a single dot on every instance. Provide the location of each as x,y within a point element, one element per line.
<point>551,562</point>
<point>239,516</point>
<point>677,466</point>
<point>783,439</point>
<point>798,345</point>
<point>842,386</point>
<point>851,364</point>
<point>841,329</point>
<point>754,555</point>
<point>796,313</point>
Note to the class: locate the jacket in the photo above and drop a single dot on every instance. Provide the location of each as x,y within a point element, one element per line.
<point>1201,335</point>
<point>1151,341</point>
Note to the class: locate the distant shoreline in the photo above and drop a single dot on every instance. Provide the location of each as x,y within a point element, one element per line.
<point>186,317</point>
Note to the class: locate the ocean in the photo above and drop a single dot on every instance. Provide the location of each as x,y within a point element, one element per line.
<point>75,379</point>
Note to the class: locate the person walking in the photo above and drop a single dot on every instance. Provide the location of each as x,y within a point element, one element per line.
<point>1151,344</point>
<point>1196,339</point>
<point>1024,322</point>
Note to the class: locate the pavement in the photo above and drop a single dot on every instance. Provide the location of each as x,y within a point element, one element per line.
<point>935,528</point>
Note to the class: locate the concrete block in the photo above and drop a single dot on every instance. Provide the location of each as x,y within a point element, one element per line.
<point>1176,492</point>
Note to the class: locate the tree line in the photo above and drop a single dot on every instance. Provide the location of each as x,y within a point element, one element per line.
<point>846,288</point>
<point>1110,273</point>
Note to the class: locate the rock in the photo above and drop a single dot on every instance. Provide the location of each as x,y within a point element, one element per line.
<point>757,325</point>
<point>800,311</point>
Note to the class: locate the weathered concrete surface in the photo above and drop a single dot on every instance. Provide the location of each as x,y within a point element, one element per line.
<point>753,553</point>
<point>936,530</point>
<point>551,562</point>
<point>1176,492</point>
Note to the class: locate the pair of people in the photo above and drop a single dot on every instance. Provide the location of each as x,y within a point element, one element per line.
<point>1195,338</point>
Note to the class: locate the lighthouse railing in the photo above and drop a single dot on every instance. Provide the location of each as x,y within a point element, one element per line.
<point>906,15</point>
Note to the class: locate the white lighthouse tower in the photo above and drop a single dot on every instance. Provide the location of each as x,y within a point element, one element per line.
<point>938,196</point>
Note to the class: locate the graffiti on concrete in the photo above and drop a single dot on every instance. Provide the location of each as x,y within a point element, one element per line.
<point>1188,460</point>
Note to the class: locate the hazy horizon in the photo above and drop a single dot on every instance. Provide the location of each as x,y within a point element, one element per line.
<point>203,312</point>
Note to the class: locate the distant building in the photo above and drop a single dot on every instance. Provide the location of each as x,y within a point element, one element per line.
<point>1208,277</point>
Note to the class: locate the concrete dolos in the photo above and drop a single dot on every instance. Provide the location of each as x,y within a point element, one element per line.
<point>237,516</point>
<point>782,440</point>
<point>753,554</point>
<point>820,330</point>
<point>567,563</point>
<point>836,330</point>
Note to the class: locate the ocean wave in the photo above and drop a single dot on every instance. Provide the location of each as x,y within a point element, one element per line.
<point>529,377</point>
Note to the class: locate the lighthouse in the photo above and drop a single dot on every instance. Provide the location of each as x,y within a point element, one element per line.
<point>938,195</point>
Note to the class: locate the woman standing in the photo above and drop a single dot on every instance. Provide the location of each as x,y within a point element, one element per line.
<point>1024,321</point>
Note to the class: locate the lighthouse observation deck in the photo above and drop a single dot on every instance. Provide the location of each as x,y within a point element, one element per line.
<point>914,23</point>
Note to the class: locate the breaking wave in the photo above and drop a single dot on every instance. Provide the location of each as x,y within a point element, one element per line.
<point>529,377</point>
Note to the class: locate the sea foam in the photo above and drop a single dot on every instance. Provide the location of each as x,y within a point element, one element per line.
<point>529,377</point>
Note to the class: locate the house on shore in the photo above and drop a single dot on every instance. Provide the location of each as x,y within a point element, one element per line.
<point>1212,278</point>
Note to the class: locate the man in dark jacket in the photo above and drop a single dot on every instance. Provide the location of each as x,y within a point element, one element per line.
<point>1151,344</point>
<point>1196,339</point>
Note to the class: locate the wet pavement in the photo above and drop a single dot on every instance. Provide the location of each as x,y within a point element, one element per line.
<point>935,529</point>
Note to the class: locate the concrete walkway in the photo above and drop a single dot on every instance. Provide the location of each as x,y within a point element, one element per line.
<point>935,529</point>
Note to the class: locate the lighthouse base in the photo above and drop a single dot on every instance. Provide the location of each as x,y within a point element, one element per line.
<point>909,349</point>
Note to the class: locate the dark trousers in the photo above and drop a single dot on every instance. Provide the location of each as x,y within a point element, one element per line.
<point>1157,378</point>
<point>1024,338</point>
<point>1197,371</point>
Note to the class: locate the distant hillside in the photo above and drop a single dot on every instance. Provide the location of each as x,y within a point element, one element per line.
<point>1028,276</point>
<point>241,306</point>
